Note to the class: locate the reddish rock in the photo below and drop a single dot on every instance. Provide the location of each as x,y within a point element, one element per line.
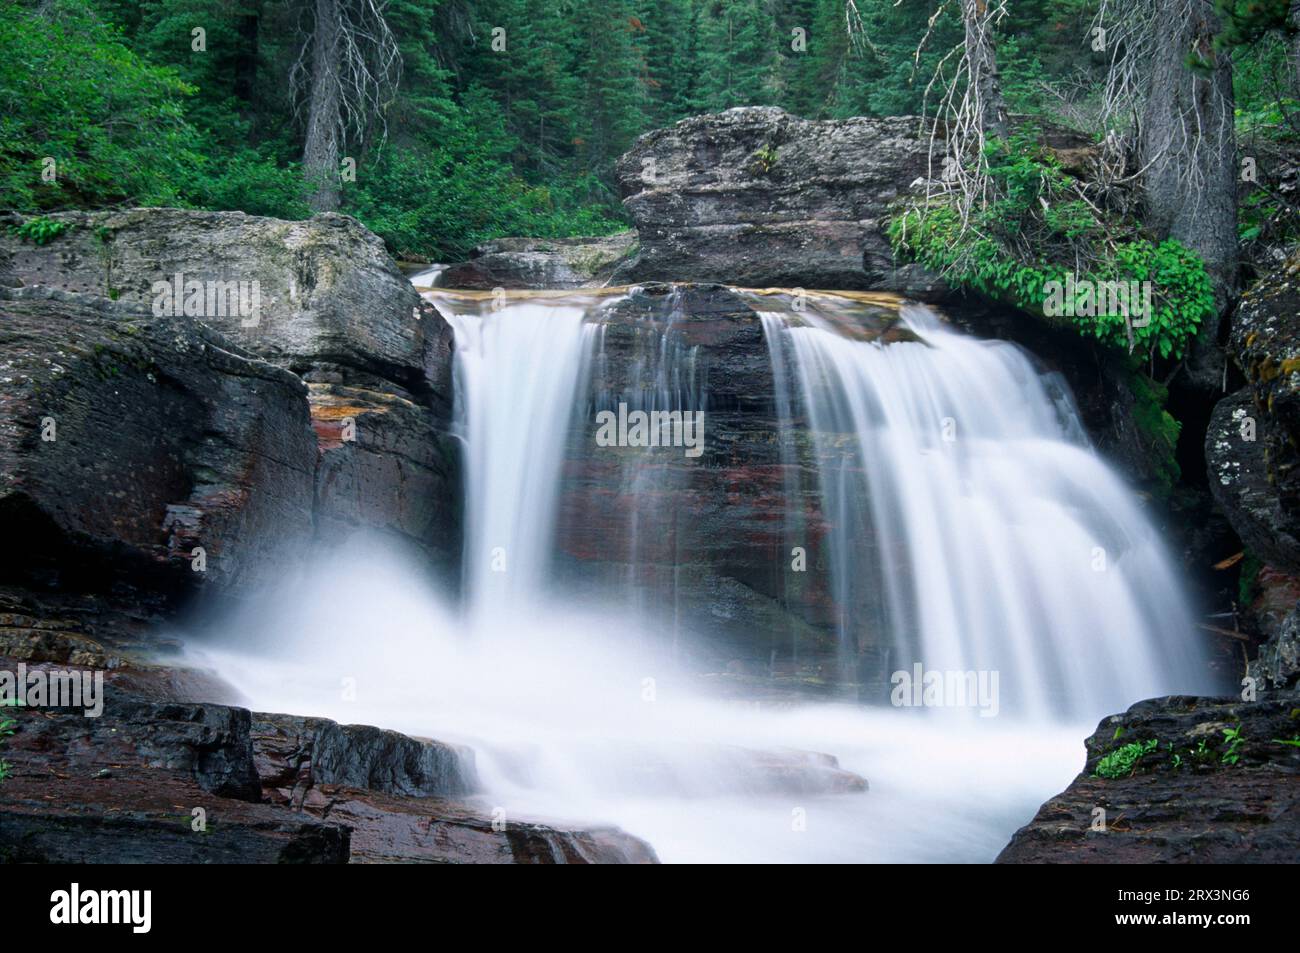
<point>1183,802</point>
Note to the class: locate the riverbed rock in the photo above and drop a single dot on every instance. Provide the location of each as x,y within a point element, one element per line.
<point>167,781</point>
<point>293,752</point>
<point>757,197</point>
<point>407,800</point>
<point>552,263</point>
<point>1195,798</point>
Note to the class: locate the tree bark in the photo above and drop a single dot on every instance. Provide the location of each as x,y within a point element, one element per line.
<point>250,23</point>
<point>985,83</point>
<point>320,159</point>
<point>1188,150</point>
<point>1295,45</point>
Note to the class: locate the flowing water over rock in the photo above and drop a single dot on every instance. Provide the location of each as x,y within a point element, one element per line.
<point>951,513</point>
<point>961,485</point>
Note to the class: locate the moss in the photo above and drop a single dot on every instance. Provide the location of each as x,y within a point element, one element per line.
<point>1248,578</point>
<point>1158,429</point>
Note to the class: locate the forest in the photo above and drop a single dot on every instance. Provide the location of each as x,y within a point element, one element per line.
<point>456,121</point>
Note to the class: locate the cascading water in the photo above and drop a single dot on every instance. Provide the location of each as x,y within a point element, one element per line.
<point>517,373</point>
<point>975,553</point>
<point>1012,547</point>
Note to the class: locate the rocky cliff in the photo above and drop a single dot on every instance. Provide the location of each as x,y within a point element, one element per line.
<point>219,381</point>
<point>759,198</point>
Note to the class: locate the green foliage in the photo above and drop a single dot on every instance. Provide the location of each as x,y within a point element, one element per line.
<point>1158,428</point>
<point>1123,760</point>
<point>73,93</point>
<point>1248,579</point>
<point>1232,737</point>
<point>1292,742</point>
<point>1033,234</point>
<point>40,230</point>
<point>7,726</point>
<point>763,160</point>
<point>480,142</point>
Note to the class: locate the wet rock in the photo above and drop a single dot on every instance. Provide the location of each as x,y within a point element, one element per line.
<point>294,753</point>
<point>1279,658</point>
<point>207,745</point>
<point>554,263</point>
<point>759,198</point>
<point>1195,798</point>
<point>146,783</point>
<point>411,830</point>
<point>1257,481</point>
<point>332,308</point>
<point>118,824</point>
<point>131,442</point>
<point>403,799</point>
<point>1237,464</point>
<point>701,537</point>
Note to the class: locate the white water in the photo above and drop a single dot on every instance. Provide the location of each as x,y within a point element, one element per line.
<point>517,373</point>
<point>1015,548</point>
<point>570,719</point>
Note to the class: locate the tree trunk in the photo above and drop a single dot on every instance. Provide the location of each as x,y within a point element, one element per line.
<point>985,84</point>
<point>320,159</point>
<point>1295,46</point>
<point>250,23</point>
<point>1189,152</point>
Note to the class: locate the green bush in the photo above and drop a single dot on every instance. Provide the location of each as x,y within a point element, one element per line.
<point>1123,761</point>
<point>70,91</point>
<point>1034,232</point>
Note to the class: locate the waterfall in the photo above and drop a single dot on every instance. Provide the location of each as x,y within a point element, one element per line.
<point>517,373</point>
<point>953,513</point>
<point>1000,540</point>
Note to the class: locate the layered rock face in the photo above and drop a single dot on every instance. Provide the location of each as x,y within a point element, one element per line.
<point>320,299</point>
<point>693,537</point>
<point>166,782</point>
<point>1194,797</point>
<point>555,263</point>
<point>145,452</point>
<point>1254,464</point>
<point>1253,460</point>
<point>759,198</point>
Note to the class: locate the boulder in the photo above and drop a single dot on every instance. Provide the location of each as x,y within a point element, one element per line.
<point>332,307</point>
<point>554,263</point>
<point>757,197</point>
<point>130,442</point>
<point>405,800</point>
<point>292,751</point>
<point>1194,798</point>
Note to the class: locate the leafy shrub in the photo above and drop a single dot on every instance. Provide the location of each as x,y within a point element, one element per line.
<point>1123,760</point>
<point>40,230</point>
<point>1035,230</point>
<point>72,92</point>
